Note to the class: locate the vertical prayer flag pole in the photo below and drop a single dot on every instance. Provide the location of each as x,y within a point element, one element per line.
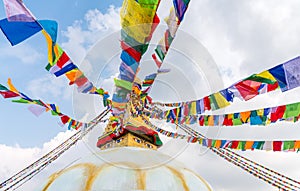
<point>138,21</point>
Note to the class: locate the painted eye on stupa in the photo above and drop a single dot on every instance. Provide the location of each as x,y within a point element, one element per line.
<point>137,140</point>
<point>148,145</point>
<point>119,140</point>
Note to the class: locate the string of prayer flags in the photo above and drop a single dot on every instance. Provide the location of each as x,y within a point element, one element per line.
<point>280,182</point>
<point>61,64</point>
<point>37,107</point>
<point>27,173</point>
<point>262,116</point>
<point>20,24</point>
<point>246,89</point>
<point>173,22</point>
<point>149,80</point>
<point>242,145</point>
<point>138,21</point>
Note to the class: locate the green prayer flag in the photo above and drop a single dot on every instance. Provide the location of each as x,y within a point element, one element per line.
<point>54,113</point>
<point>256,78</point>
<point>3,87</point>
<point>206,120</point>
<point>151,4</point>
<point>292,110</point>
<point>213,103</point>
<point>160,53</point>
<point>237,121</point>
<point>186,2</point>
<point>157,140</point>
<point>170,38</point>
<point>241,145</point>
<point>287,145</point>
<point>124,84</point>
<point>264,119</point>
<point>213,144</point>
<point>100,91</point>
<point>21,100</point>
<point>39,102</point>
<point>142,48</point>
<point>260,145</point>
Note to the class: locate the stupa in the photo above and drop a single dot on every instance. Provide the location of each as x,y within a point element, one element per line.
<point>128,159</point>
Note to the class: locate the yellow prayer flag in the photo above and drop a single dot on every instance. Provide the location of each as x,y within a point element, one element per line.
<point>193,110</point>
<point>11,86</point>
<point>210,120</point>
<point>266,74</point>
<point>49,45</point>
<point>260,112</point>
<point>136,20</point>
<point>221,101</point>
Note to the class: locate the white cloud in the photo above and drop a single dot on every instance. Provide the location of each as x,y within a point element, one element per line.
<point>245,37</point>
<point>23,52</point>
<point>50,87</point>
<point>80,39</point>
<point>98,21</point>
<point>17,158</point>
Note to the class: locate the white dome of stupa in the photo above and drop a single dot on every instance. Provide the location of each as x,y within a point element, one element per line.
<point>126,169</point>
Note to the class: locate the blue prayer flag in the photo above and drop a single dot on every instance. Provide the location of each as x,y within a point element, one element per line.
<point>17,32</point>
<point>51,28</point>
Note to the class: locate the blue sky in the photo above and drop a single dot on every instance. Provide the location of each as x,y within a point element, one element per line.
<point>18,125</point>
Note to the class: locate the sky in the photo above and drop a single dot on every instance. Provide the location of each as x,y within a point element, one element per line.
<point>238,38</point>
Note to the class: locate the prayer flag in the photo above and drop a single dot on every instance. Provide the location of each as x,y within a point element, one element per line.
<point>279,74</point>
<point>292,71</point>
<point>36,109</point>
<point>17,32</point>
<point>50,27</point>
<point>17,11</point>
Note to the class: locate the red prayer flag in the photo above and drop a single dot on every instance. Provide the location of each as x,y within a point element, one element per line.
<point>9,94</point>
<point>272,87</point>
<point>209,142</point>
<point>201,120</point>
<point>278,114</point>
<point>248,88</point>
<point>277,145</point>
<point>158,63</point>
<point>64,119</point>
<point>62,60</point>
<point>131,51</point>
<point>234,144</point>
<point>206,102</point>
<point>81,81</point>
